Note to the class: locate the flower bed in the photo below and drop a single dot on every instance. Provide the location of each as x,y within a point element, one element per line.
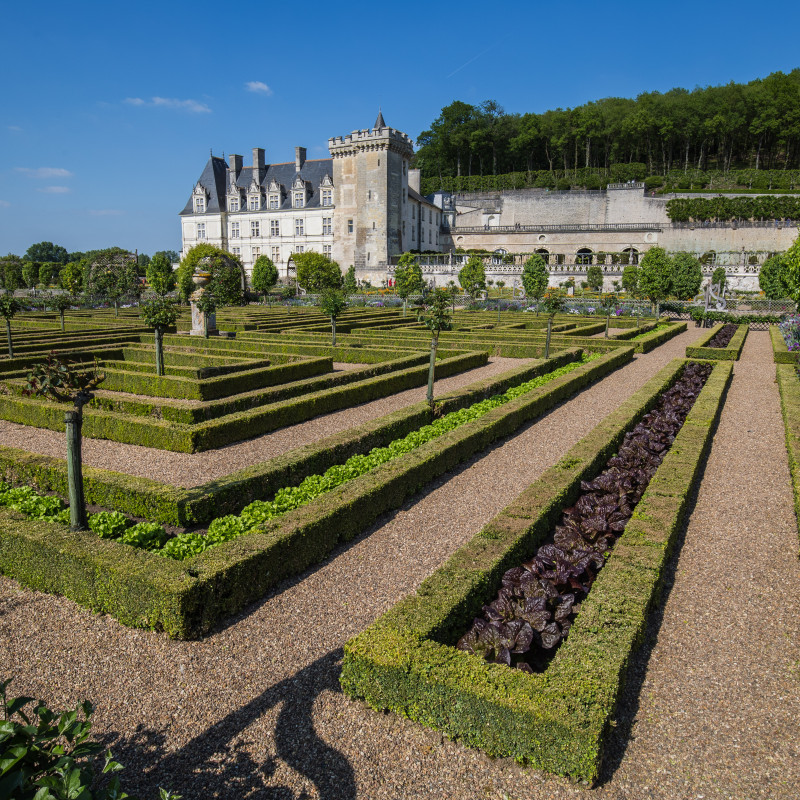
<point>557,719</point>
<point>789,388</point>
<point>786,340</point>
<point>703,348</point>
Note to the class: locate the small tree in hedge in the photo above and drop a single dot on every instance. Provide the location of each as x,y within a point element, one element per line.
<point>60,380</point>
<point>160,314</point>
<point>687,275</point>
<point>608,303</point>
<point>472,276</point>
<point>332,302</point>
<point>408,278</point>
<point>350,283</point>
<point>62,302</point>
<point>655,275</point>
<point>553,303</point>
<point>316,272</point>
<point>772,279</point>
<point>630,279</point>
<point>265,275</point>
<point>9,306</point>
<point>718,277</point>
<point>534,278</point>
<point>594,277</point>
<point>159,274</point>
<point>435,317</point>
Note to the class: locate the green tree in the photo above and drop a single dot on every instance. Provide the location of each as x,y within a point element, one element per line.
<point>772,279</point>
<point>408,278</point>
<point>655,275</point>
<point>60,380</point>
<point>71,277</point>
<point>9,306</point>
<point>534,277</point>
<point>30,273</point>
<point>10,272</point>
<point>316,272</point>
<point>718,277</point>
<point>113,274</point>
<point>265,275</point>
<point>687,275</point>
<point>350,283</point>
<point>160,276</point>
<point>594,277</point>
<point>226,285</point>
<point>160,314</point>
<point>332,302</point>
<point>630,279</point>
<point>472,276</point>
<point>171,255</point>
<point>791,270</point>
<point>553,303</point>
<point>435,317</point>
<point>47,251</point>
<point>61,303</point>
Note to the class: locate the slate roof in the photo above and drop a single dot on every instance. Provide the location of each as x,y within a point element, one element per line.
<point>215,178</point>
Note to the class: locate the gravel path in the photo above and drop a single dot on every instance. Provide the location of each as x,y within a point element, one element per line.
<point>254,710</point>
<point>192,469</point>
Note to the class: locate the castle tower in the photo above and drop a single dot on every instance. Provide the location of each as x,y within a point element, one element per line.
<point>370,173</point>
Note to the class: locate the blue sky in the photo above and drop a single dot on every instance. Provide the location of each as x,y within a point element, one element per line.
<point>109,110</point>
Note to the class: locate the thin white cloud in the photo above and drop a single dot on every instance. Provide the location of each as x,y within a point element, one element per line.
<point>14,128</point>
<point>55,189</point>
<point>258,87</point>
<point>105,212</point>
<point>5,204</point>
<point>192,106</point>
<point>45,172</point>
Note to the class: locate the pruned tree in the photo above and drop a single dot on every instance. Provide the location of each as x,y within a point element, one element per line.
<point>655,275</point>
<point>63,381</point>
<point>534,277</point>
<point>472,276</point>
<point>227,274</point>
<point>791,270</point>
<point>265,275</point>
<point>718,277</point>
<point>594,277</point>
<point>332,302</point>
<point>552,303</point>
<point>316,272</point>
<point>687,275</point>
<point>71,277</point>
<point>772,279</point>
<point>62,302</point>
<point>9,306</point>
<point>408,278</point>
<point>159,274</point>
<point>160,314</point>
<point>350,283</point>
<point>435,317</point>
<point>113,275</point>
<point>630,279</point>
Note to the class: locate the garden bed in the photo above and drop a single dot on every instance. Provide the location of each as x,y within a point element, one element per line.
<point>780,351</point>
<point>703,349</point>
<point>556,720</point>
<point>789,388</point>
<point>187,598</point>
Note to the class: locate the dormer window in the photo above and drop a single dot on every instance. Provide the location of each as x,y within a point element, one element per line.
<point>299,199</point>
<point>255,202</point>
<point>327,197</point>
<point>199,205</point>
<point>233,204</point>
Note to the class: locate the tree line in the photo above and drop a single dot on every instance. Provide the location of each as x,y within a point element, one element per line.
<point>752,125</point>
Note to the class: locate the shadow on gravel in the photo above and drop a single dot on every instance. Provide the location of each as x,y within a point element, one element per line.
<point>628,706</point>
<point>212,766</point>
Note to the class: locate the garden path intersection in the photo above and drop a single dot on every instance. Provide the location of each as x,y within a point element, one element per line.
<point>255,710</point>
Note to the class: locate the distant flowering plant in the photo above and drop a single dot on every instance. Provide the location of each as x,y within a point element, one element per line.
<point>790,329</point>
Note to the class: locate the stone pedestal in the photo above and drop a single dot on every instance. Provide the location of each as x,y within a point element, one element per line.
<point>201,280</point>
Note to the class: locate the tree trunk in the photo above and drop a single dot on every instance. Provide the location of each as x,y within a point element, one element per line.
<point>159,351</point>
<point>498,313</point>
<point>432,368</point>
<point>547,340</point>
<point>205,325</point>
<point>608,320</point>
<point>8,334</point>
<point>77,505</point>
<point>333,331</point>
<point>405,302</point>
<point>61,314</point>
<point>116,307</point>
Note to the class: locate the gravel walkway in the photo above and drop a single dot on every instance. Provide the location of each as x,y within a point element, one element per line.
<point>254,710</point>
<point>192,469</point>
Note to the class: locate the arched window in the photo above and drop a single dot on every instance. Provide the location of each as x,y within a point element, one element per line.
<point>633,255</point>
<point>583,256</point>
<point>545,254</point>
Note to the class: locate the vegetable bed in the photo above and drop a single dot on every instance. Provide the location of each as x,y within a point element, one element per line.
<point>705,348</point>
<point>555,719</point>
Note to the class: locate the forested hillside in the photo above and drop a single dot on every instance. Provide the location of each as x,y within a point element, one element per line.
<point>752,130</point>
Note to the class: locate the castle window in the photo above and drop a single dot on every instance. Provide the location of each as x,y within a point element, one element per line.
<point>327,225</point>
<point>256,253</point>
<point>299,248</point>
<point>369,194</point>
<point>255,229</point>
<point>326,250</point>
<point>236,251</point>
<point>255,203</point>
<point>327,197</point>
<point>233,205</point>
<point>201,230</point>
<point>413,234</point>
<point>413,212</point>
<point>274,227</point>
<point>273,201</point>
<point>349,226</point>
<point>234,230</point>
<point>199,205</point>
<point>298,229</point>
<point>298,199</point>
<point>373,226</point>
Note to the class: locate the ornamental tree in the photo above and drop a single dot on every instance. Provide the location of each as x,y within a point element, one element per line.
<point>534,278</point>
<point>472,276</point>
<point>61,302</point>
<point>316,272</point>
<point>227,274</point>
<point>687,275</point>
<point>265,275</point>
<point>791,270</point>
<point>630,279</point>
<point>435,317</point>
<point>62,381</point>
<point>772,278</point>
<point>159,274</point>
<point>71,277</point>
<point>113,274</point>
<point>10,272</point>
<point>9,306</point>
<point>594,277</point>
<point>332,302</point>
<point>553,303</point>
<point>718,277</point>
<point>408,278</point>
<point>160,314</point>
<point>655,274</point>
<point>30,273</point>
<point>350,283</point>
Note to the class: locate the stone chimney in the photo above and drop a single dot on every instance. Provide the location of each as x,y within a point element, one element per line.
<point>235,164</point>
<point>415,180</point>
<point>299,158</point>
<point>258,162</point>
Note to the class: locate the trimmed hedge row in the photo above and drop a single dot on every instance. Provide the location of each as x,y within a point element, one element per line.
<point>187,598</point>
<point>556,720</point>
<point>789,388</point>
<point>168,505</point>
<point>780,352</point>
<point>657,337</point>
<point>732,352</point>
